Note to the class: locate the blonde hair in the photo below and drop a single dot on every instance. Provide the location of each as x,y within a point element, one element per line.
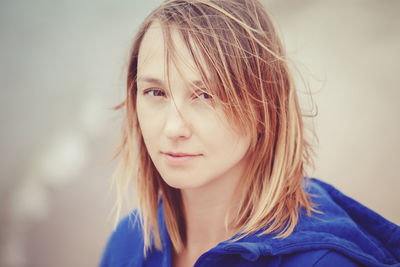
<point>242,62</point>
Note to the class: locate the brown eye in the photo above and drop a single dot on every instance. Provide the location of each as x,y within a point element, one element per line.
<point>154,92</point>
<point>205,96</point>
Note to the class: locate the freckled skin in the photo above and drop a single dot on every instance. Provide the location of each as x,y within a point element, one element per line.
<point>174,119</point>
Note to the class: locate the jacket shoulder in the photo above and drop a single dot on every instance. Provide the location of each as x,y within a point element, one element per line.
<point>125,245</point>
<point>318,258</point>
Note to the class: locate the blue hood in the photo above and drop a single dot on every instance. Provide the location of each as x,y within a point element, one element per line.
<point>345,227</point>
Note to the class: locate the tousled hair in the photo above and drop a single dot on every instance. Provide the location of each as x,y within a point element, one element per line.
<point>242,62</point>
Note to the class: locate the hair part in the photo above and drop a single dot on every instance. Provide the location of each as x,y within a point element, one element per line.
<point>243,64</point>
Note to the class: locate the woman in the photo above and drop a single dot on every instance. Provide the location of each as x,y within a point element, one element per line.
<point>215,129</point>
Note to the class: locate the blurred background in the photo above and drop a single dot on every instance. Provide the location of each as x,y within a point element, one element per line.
<point>62,68</point>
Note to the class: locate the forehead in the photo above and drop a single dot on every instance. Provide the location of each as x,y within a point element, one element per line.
<point>152,57</point>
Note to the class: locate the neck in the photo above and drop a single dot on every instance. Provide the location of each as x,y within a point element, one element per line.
<point>205,210</point>
<point>205,218</point>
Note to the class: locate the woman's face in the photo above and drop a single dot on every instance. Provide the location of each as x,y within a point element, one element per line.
<point>189,141</point>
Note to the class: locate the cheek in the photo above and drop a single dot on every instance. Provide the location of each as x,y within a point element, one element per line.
<point>233,147</point>
<point>147,124</point>
<point>223,140</point>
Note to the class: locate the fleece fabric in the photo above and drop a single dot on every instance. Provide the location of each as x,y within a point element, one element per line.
<point>345,234</point>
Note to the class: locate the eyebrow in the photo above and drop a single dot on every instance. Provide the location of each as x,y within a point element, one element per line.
<point>156,81</point>
<point>150,80</point>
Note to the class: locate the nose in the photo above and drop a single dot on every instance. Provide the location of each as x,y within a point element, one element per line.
<point>176,127</point>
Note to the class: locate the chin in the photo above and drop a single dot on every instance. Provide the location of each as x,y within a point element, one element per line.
<point>182,183</point>
<point>179,184</point>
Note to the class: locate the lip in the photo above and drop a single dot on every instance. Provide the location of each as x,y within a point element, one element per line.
<point>179,158</point>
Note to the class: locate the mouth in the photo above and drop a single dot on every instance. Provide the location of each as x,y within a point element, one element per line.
<point>179,158</point>
<point>179,154</point>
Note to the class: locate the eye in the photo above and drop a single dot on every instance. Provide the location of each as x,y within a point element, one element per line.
<point>205,96</point>
<point>154,92</point>
<point>201,94</point>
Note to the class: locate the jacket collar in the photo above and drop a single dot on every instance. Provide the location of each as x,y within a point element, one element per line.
<point>345,226</point>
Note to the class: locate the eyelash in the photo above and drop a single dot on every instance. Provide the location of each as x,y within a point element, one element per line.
<point>207,96</point>
<point>154,92</point>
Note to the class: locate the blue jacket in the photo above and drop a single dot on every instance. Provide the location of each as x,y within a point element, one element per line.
<point>346,234</point>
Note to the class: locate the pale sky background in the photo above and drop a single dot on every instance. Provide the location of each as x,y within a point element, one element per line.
<point>62,67</point>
